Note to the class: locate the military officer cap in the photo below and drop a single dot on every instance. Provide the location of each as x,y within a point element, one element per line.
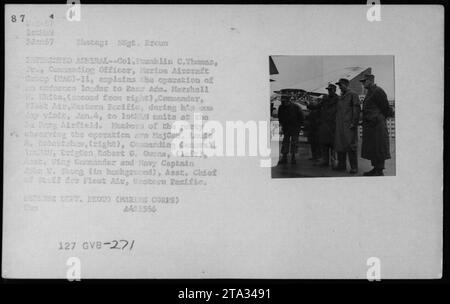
<point>330,86</point>
<point>343,81</point>
<point>367,76</point>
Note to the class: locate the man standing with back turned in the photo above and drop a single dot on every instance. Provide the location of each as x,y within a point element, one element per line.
<point>375,139</point>
<point>347,118</point>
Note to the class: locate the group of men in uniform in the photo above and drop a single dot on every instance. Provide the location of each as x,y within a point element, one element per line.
<point>332,125</point>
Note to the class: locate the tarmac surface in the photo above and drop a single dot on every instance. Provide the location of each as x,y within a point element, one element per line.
<point>307,168</point>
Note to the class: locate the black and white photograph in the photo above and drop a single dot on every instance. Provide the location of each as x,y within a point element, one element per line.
<point>333,116</point>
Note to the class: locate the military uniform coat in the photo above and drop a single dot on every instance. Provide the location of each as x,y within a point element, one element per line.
<point>347,115</point>
<point>327,121</point>
<point>290,116</point>
<point>375,140</point>
<point>312,122</point>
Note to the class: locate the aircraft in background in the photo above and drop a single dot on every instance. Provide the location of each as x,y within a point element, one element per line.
<point>305,92</point>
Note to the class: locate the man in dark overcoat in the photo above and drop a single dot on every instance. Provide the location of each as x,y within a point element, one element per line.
<point>312,128</point>
<point>327,124</point>
<point>375,138</point>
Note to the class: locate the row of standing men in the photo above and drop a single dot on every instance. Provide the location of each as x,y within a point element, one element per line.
<point>332,125</point>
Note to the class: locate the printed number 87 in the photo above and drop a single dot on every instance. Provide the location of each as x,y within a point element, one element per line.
<point>14,18</point>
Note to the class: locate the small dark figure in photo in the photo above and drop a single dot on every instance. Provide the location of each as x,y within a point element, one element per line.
<point>291,118</point>
<point>311,129</point>
<point>327,125</point>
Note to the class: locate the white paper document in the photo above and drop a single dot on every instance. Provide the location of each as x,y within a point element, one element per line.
<point>213,141</point>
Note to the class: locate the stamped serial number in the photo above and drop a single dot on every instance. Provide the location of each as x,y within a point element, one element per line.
<point>139,208</point>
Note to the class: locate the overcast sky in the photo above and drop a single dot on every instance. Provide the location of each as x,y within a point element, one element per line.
<point>314,69</point>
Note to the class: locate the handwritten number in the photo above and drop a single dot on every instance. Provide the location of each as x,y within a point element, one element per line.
<point>126,244</point>
<point>115,245</point>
